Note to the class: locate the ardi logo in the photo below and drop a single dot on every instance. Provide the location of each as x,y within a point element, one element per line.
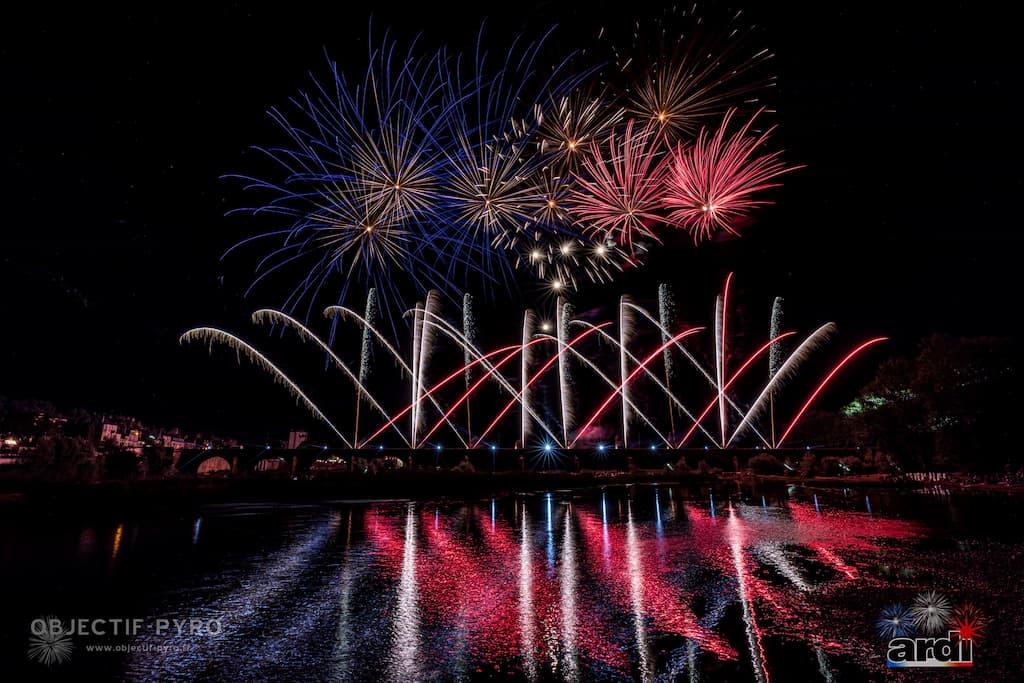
<point>930,652</point>
<point>930,632</point>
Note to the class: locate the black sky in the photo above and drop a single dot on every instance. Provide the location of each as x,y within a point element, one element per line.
<point>117,125</point>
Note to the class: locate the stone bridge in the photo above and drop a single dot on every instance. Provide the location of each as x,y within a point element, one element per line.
<point>303,461</point>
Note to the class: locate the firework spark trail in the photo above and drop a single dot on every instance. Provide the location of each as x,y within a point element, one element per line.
<point>268,315</point>
<point>211,335</point>
<point>561,349</point>
<point>774,360</point>
<point>711,404</point>
<point>786,370</point>
<point>343,311</point>
<point>710,183</point>
<point>647,371</point>
<point>567,125</point>
<point>358,180</point>
<point>476,385</point>
<point>615,387</point>
<point>427,394</point>
<point>618,190</point>
<point>529,322</point>
<point>681,73</point>
<point>426,344</point>
<point>720,352</point>
<point>719,370</point>
<point>489,189</point>
<point>696,364</point>
<point>814,394</point>
<point>639,368</point>
<point>365,357</point>
<point>469,331</point>
<point>563,314</point>
<point>667,319</point>
<point>417,331</point>
<point>775,354</point>
<point>626,329</point>
<point>448,330</point>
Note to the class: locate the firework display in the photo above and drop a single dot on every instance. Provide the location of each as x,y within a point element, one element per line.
<point>438,173</point>
<point>435,170</point>
<point>564,355</point>
<point>712,184</point>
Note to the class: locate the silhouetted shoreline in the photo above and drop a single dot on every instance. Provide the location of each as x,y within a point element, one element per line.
<point>170,494</point>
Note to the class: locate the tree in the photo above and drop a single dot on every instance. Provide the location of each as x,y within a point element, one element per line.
<point>64,459</point>
<point>949,405</point>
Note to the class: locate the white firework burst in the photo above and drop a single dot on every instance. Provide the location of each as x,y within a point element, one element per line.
<point>51,643</point>
<point>931,612</point>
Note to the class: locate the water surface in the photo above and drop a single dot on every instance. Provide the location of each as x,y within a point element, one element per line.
<point>642,582</point>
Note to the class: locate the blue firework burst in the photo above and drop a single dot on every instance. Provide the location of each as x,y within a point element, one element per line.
<point>894,621</point>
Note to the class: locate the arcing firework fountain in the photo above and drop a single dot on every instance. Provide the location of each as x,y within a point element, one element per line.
<point>437,401</point>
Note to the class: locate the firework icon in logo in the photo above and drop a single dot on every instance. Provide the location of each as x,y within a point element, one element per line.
<point>931,612</point>
<point>969,621</point>
<point>894,621</point>
<point>50,643</point>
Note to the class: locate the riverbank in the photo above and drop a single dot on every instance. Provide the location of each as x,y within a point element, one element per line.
<point>170,494</point>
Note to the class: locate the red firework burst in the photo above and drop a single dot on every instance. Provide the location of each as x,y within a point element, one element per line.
<point>619,186</point>
<point>711,184</point>
<point>969,621</point>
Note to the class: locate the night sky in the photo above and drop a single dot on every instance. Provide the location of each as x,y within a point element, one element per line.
<point>118,125</point>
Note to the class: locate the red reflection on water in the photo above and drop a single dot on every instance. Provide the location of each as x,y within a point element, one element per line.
<point>666,604</point>
<point>556,590</point>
